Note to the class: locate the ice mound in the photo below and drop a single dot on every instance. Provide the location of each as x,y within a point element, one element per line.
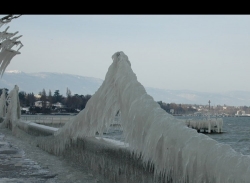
<point>178,153</point>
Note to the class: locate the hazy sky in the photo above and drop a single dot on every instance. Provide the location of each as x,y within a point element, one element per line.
<point>193,52</point>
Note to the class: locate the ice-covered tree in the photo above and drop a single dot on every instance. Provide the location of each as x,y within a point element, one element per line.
<point>7,41</point>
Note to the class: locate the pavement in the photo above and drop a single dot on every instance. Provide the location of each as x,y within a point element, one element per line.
<point>22,162</point>
<point>15,167</point>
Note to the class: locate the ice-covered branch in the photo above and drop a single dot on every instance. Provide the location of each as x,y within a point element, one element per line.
<point>6,44</point>
<point>5,58</point>
<point>8,19</point>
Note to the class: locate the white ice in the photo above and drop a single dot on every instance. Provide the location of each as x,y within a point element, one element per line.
<point>114,142</point>
<point>211,124</point>
<point>13,113</point>
<point>6,51</point>
<point>175,150</point>
<point>3,104</point>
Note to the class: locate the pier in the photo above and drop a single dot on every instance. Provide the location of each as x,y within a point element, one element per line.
<point>206,125</point>
<point>211,125</point>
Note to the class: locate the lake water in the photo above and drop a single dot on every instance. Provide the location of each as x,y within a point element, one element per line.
<point>236,130</point>
<point>236,133</point>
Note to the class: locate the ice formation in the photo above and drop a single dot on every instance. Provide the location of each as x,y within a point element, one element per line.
<point>177,152</point>
<point>2,22</point>
<point>3,104</point>
<point>13,109</point>
<point>6,51</point>
<point>210,124</point>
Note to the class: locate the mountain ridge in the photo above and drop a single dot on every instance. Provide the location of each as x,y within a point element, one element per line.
<point>37,81</point>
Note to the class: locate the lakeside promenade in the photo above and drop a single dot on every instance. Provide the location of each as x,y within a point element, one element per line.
<point>24,163</point>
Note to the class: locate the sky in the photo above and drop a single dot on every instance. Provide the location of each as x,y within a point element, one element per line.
<point>206,53</point>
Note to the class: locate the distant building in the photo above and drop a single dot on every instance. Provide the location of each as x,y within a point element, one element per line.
<point>40,103</point>
<point>25,110</point>
<point>238,113</point>
<point>58,105</point>
<point>37,96</point>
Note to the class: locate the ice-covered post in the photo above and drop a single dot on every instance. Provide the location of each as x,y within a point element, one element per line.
<point>219,123</point>
<point>2,105</point>
<point>13,109</point>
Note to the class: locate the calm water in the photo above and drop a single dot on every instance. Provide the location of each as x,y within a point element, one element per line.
<point>236,133</point>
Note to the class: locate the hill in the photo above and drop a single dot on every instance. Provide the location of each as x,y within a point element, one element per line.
<point>36,82</point>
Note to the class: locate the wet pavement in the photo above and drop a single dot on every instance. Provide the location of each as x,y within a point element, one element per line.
<point>15,167</point>
<point>22,162</point>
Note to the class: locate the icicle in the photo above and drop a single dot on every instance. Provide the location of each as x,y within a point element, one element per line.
<point>6,35</point>
<point>9,43</point>
<point>6,60</point>
<point>21,45</point>
<point>2,22</point>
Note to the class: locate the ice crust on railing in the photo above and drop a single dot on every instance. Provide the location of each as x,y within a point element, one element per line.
<point>177,152</point>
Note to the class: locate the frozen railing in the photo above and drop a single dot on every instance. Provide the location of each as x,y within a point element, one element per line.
<point>162,145</point>
<point>48,120</point>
